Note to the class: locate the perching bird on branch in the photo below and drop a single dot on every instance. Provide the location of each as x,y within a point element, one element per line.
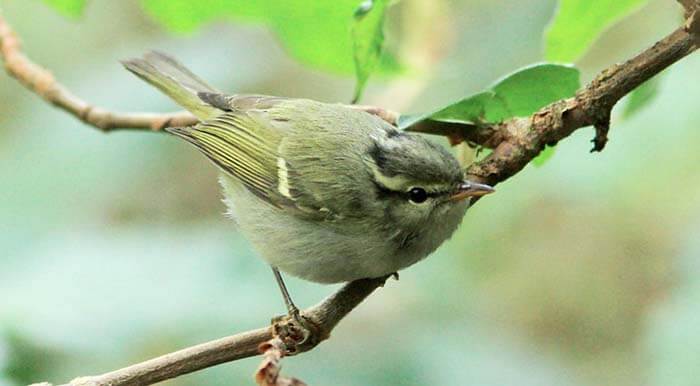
<point>324,192</point>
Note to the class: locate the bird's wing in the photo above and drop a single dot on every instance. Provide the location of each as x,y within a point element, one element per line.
<point>244,141</point>
<point>241,103</point>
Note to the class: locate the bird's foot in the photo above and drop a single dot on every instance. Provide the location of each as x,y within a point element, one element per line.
<point>294,329</point>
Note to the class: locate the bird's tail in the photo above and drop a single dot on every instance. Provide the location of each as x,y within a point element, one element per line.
<point>175,80</point>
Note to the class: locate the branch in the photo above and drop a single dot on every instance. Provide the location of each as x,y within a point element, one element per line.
<point>522,139</point>
<point>322,319</point>
<point>40,81</point>
<point>515,143</point>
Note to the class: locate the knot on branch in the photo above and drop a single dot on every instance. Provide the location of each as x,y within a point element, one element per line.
<point>100,118</point>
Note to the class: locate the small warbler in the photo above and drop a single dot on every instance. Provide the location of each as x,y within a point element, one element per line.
<point>323,191</point>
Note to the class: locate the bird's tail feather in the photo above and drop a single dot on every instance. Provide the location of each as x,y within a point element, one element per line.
<point>175,80</point>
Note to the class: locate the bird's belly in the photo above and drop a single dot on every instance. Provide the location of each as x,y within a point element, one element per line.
<point>311,250</point>
<point>318,253</point>
<point>324,260</point>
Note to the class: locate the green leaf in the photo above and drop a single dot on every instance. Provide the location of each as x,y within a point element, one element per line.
<point>578,23</point>
<point>315,32</point>
<point>70,8</point>
<point>518,94</point>
<point>367,37</point>
<point>534,87</point>
<point>484,106</point>
<point>641,96</point>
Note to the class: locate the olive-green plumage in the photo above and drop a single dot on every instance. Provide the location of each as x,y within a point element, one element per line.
<point>323,191</point>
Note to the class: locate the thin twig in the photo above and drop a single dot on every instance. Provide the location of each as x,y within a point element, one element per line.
<point>41,82</point>
<point>268,373</point>
<point>516,142</point>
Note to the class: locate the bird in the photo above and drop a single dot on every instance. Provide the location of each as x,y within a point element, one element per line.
<point>323,191</point>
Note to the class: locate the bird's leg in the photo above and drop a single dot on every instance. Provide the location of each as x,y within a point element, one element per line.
<point>293,336</point>
<point>292,310</point>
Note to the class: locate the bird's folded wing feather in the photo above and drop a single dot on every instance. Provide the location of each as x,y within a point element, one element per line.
<point>244,142</point>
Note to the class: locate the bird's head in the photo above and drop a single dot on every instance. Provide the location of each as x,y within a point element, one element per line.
<point>417,182</point>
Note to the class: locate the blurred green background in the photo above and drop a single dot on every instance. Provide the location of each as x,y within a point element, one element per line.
<point>114,249</point>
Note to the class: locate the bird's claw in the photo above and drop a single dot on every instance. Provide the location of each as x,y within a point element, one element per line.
<point>293,329</point>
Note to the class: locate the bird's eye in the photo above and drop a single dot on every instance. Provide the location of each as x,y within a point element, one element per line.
<point>417,195</point>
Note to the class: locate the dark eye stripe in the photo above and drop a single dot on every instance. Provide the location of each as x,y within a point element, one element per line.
<point>383,191</point>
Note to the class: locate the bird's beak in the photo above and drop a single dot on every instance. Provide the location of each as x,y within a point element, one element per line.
<point>471,189</point>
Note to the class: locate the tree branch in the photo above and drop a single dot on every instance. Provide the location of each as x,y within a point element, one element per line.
<point>522,139</point>
<point>515,143</point>
<point>41,82</point>
<point>518,140</point>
